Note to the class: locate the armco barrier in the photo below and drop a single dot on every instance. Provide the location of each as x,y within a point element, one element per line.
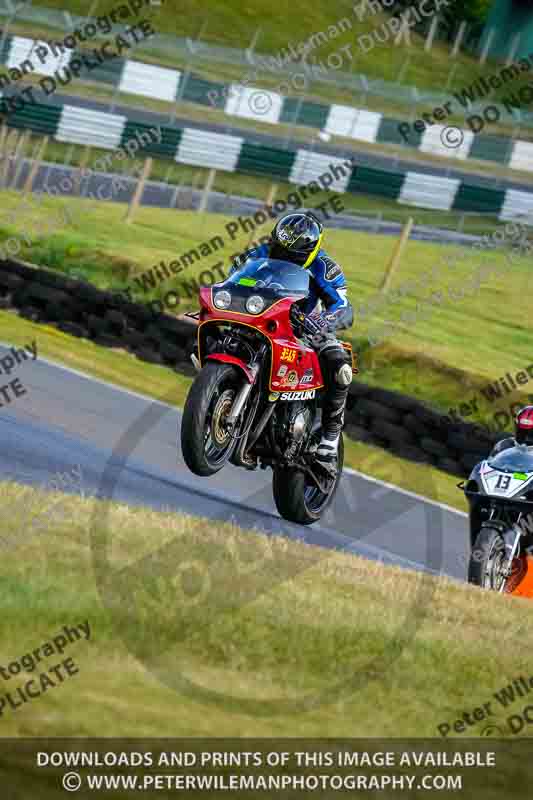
<point>210,149</point>
<point>397,423</point>
<point>146,80</point>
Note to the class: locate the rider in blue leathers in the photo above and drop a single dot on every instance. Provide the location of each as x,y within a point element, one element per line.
<point>297,238</point>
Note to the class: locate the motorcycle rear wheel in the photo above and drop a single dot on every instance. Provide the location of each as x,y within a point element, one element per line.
<point>297,497</point>
<point>205,444</point>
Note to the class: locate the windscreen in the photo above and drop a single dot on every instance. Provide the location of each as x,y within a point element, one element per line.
<point>277,276</point>
<point>515,459</point>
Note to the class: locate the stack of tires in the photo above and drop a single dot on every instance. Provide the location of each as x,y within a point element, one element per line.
<point>411,430</point>
<point>107,318</point>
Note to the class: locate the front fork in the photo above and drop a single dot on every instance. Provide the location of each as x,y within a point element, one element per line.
<point>511,538</point>
<point>242,396</point>
<point>240,402</point>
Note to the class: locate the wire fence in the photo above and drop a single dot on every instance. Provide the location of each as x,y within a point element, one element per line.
<point>231,63</point>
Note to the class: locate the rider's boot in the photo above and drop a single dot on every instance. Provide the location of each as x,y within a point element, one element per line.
<point>333,413</point>
<point>332,424</point>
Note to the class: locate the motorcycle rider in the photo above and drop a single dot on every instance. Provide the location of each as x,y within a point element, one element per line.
<point>297,238</point>
<point>523,432</point>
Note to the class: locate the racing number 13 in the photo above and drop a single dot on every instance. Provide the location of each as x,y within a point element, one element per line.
<point>503,482</point>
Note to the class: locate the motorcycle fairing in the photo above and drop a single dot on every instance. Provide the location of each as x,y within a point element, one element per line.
<point>513,478</point>
<point>293,365</point>
<point>227,359</point>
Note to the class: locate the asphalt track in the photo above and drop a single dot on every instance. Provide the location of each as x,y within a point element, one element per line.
<point>161,195</point>
<point>68,420</point>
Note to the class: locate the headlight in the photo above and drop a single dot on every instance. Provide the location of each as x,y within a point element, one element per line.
<point>222,299</point>
<point>255,304</point>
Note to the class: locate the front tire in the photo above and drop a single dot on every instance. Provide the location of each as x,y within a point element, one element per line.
<point>205,443</point>
<point>296,496</point>
<point>486,559</point>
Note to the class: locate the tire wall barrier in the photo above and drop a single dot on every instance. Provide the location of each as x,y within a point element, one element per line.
<point>413,431</point>
<point>389,420</point>
<point>107,318</point>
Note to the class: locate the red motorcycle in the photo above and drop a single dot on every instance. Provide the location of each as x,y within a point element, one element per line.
<point>256,401</point>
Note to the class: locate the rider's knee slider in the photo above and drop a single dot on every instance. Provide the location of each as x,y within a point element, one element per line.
<point>344,375</point>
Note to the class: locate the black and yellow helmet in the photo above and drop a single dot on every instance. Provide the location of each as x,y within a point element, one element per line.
<point>297,237</point>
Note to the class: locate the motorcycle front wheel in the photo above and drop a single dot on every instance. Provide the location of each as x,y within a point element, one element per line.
<point>487,560</point>
<point>206,441</point>
<point>297,497</point>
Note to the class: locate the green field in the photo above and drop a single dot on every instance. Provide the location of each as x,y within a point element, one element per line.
<point>175,650</point>
<point>233,24</point>
<point>429,358</point>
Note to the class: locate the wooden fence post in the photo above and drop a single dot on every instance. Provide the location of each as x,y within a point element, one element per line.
<point>138,193</point>
<point>3,134</point>
<point>14,135</point>
<point>83,165</point>
<point>459,39</point>
<point>272,194</point>
<point>397,255</point>
<point>38,157</point>
<point>431,33</point>
<point>19,157</point>
<point>486,47</point>
<point>204,200</point>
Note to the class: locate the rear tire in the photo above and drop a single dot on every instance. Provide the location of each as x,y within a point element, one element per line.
<point>205,446</point>
<point>296,496</point>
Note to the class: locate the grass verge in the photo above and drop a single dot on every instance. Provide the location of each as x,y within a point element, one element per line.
<point>226,632</point>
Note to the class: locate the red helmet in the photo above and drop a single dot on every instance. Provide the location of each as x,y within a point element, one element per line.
<point>524,426</point>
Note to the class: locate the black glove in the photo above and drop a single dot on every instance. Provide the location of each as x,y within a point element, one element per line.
<point>315,326</point>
